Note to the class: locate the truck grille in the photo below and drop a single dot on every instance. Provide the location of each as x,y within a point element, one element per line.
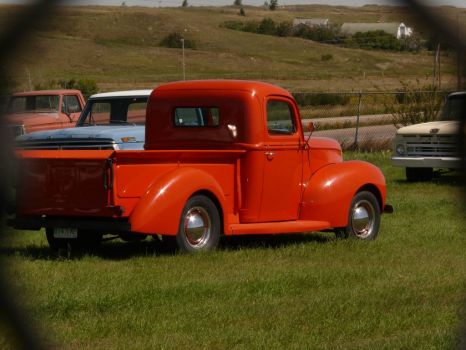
<point>432,146</point>
<point>68,144</point>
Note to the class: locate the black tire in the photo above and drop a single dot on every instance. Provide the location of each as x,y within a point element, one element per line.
<point>86,240</point>
<point>419,174</point>
<point>363,218</point>
<point>202,215</point>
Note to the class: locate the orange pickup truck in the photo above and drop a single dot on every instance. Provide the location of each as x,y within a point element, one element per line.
<point>220,158</point>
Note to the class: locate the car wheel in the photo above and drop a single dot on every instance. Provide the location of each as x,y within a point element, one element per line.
<point>419,174</point>
<point>199,228</point>
<point>363,219</point>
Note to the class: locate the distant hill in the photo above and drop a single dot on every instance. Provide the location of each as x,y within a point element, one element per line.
<point>119,47</point>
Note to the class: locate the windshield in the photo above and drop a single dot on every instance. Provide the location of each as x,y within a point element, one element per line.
<point>115,111</point>
<point>34,104</point>
<point>453,107</point>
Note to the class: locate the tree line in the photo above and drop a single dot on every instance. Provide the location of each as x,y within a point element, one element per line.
<point>330,34</point>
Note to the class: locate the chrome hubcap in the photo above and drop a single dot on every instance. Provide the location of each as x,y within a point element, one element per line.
<point>362,219</point>
<point>197,227</point>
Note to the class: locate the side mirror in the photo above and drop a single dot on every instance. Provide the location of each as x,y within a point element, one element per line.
<point>310,127</point>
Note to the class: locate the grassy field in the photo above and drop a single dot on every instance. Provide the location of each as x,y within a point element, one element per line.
<point>403,291</point>
<point>120,48</point>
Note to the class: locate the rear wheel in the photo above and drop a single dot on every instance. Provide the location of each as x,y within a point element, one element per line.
<point>419,174</point>
<point>199,228</point>
<point>363,219</point>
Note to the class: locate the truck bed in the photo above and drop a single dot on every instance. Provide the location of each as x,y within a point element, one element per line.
<point>108,184</point>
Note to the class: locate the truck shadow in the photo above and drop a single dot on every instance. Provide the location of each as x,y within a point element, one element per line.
<point>455,180</point>
<point>119,250</point>
<point>273,241</point>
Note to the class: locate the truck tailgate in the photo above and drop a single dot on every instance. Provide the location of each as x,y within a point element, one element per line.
<point>65,183</point>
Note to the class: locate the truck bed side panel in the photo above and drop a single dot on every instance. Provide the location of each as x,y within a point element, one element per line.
<point>153,190</point>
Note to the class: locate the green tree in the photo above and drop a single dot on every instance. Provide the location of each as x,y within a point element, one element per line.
<point>414,105</point>
<point>251,26</point>
<point>267,26</point>
<point>173,40</point>
<point>86,86</point>
<point>284,28</point>
<point>375,40</point>
<point>185,3</point>
<point>242,12</point>
<point>273,5</point>
<point>238,3</point>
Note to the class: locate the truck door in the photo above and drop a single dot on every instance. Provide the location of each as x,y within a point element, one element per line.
<point>70,110</point>
<point>281,191</point>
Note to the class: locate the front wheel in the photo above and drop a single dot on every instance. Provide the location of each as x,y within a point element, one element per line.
<point>363,219</point>
<point>199,228</point>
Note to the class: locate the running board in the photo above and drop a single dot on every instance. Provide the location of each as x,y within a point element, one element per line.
<point>278,227</point>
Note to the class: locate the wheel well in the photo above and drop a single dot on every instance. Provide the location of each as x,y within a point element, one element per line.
<point>375,191</point>
<point>214,199</point>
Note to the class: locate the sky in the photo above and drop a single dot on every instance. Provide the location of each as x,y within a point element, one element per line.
<point>175,3</point>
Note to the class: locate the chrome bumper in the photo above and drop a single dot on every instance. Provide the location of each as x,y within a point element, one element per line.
<point>427,162</point>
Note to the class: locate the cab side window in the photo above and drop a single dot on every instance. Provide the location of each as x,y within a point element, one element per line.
<point>70,104</point>
<point>280,118</point>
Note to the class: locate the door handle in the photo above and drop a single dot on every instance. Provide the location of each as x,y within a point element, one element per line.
<point>270,155</point>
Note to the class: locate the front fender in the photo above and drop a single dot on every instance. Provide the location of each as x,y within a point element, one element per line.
<point>159,209</point>
<point>329,191</point>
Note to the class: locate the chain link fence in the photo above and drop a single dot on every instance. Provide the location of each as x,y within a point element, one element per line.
<point>357,120</point>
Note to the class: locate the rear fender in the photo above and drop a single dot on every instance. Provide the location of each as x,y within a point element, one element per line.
<point>159,209</point>
<point>329,191</point>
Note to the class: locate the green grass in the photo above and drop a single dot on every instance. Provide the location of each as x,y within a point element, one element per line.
<point>402,291</point>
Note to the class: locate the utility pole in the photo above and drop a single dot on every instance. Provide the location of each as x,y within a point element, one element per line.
<point>436,74</point>
<point>439,71</point>
<point>355,145</point>
<point>29,78</point>
<point>184,68</point>
<point>459,54</point>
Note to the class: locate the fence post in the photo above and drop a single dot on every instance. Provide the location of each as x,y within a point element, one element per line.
<point>355,145</point>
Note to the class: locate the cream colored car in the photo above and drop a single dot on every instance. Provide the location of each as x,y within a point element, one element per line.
<point>422,147</point>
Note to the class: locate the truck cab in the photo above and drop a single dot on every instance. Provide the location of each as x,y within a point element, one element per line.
<point>32,111</point>
<point>110,120</point>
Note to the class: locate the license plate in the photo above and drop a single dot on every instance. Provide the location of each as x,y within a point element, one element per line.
<point>68,233</point>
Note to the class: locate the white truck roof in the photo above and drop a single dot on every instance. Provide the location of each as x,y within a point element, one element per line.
<point>127,93</point>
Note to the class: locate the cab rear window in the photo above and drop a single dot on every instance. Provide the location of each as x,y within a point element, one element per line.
<point>196,116</point>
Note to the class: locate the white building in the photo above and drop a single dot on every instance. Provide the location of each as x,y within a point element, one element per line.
<point>398,30</point>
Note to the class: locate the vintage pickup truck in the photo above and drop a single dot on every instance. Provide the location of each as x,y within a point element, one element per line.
<point>109,120</point>
<point>42,110</point>
<point>422,147</point>
<point>220,158</point>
